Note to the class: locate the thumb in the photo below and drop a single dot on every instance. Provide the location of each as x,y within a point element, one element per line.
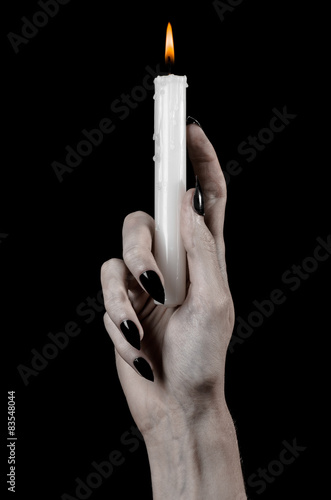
<point>205,276</point>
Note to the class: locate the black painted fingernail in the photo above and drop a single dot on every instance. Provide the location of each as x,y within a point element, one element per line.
<point>198,204</point>
<point>152,284</point>
<point>144,369</point>
<point>131,333</point>
<point>190,120</point>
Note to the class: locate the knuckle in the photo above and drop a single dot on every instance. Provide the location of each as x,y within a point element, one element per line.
<point>105,319</point>
<point>108,267</point>
<point>206,304</point>
<point>222,309</point>
<point>104,269</point>
<point>115,300</point>
<point>131,253</point>
<point>134,256</point>
<point>207,239</point>
<point>216,189</point>
<point>219,299</point>
<point>218,303</point>
<point>112,283</point>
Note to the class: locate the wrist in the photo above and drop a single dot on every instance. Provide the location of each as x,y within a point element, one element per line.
<point>195,456</point>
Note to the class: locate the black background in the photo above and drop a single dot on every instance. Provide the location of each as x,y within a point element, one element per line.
<point>56,235</point>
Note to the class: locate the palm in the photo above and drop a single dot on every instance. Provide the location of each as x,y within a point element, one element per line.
<point>175,343</point>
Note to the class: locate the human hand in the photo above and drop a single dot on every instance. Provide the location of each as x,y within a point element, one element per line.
<point>182,349</point>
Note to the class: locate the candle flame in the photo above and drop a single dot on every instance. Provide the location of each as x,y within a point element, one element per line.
<point>169,47</point>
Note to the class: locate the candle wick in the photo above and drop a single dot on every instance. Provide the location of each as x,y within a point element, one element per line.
<point>169,65</point>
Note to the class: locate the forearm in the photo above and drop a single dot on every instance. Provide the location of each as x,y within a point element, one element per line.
<point>195,461</point>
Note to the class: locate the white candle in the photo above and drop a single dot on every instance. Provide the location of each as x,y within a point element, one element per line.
<point>170,183</point>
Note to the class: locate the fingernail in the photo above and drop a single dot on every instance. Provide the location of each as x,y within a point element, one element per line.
<point>190,120</point>
<point>131,333</point>
<point>198,204</point>
<point>144,369</point>
<point>152,284</point>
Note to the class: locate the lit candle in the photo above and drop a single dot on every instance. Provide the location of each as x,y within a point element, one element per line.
<point>170,177</point>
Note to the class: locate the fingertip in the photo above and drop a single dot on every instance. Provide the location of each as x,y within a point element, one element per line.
<point>144,369</point>
<point>198,203</point>
<point>131,333</point>
<point>192,121</point>
<point>193,134</point>
<point>153,285</point>
<point>127,346</point>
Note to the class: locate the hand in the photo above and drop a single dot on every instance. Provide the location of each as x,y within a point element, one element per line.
<point>182,350</point>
